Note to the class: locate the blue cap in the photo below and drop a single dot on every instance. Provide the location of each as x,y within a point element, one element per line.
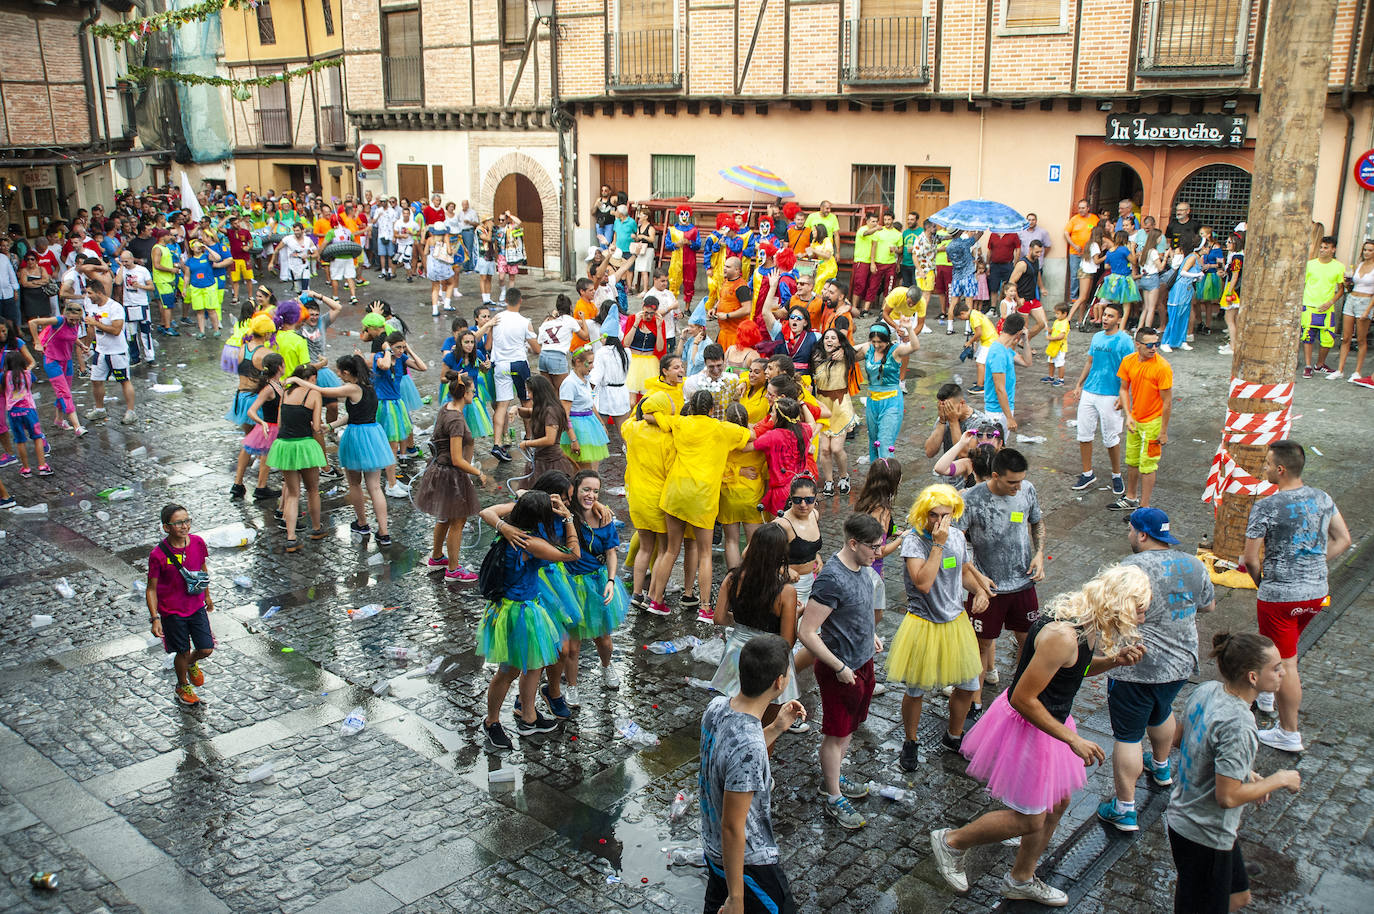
<point>698,317</point>
<point>1154,523</point>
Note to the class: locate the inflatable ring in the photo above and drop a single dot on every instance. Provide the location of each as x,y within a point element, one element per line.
<point>271,238</point>
<point>336,249</point>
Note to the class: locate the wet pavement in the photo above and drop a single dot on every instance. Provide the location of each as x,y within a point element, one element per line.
<point>140,805</point>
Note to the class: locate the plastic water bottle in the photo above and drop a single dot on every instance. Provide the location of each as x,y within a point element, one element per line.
<point>121,494</point>
<point>353,723</point>
<point>887,792</point>
<point>64,589</point>
<point>633,733</point>
<point>381,687</point>
<point>685,856</point>
<point>399,652</point>
<point>260,773</point>
<point>243,581</point>
<point>679,807</point>
<point>699,683</point>
<point>365,612</point>
<point>684,643</point>
<point>271,611</point>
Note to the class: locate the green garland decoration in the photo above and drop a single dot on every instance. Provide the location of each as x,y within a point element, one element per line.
<point>239,86</point>
<point>126,32</point>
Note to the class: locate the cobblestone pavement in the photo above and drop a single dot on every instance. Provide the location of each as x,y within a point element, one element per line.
<point>141,806</point>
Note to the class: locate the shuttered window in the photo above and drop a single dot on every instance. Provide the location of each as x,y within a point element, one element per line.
<point>673,176</point>
<point>1032,15</point>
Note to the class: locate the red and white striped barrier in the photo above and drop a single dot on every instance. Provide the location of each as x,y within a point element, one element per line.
<point>1226,476</point>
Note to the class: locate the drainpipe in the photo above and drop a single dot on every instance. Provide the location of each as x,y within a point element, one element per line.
<point>86,73</point>
<point>1346,93</point>
<point>314,87</point>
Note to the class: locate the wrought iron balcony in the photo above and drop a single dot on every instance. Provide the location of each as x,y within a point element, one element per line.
<point>334,129</point>
<point>404,80</point>
<point>885,49</point>
<point>1193,38</point>
<point>274,126</point>
<point>649,59</point>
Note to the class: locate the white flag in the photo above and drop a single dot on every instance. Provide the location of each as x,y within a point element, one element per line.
<point>188,199</point>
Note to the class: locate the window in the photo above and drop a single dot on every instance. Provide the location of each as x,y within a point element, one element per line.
<point>274,111</point>
<point>335,130</point>
<point>884,43</point>
<point>645,45</point>
<point>673,176</point>
<point>1219,196</point>
<point>1191,37</point>
<point>402,61</point>
<point>327,8</point>
<point>875,185</point>
<point>1033,17</point>
<point>514,22</point>
<point>266,33</point>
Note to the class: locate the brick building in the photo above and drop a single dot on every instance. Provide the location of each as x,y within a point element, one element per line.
<point>67,117</point>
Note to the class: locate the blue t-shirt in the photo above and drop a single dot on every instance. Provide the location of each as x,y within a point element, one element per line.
<point>202,274</point>
<point>1106,351</point>
<point>624,233</point>
<point>386,382</point>
<point>1000,360</point>
<point>1118,260</point>
<point>596,542</point>
<point>218,252</point>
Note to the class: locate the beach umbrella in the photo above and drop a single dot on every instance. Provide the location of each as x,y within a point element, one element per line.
<point>980,215</point>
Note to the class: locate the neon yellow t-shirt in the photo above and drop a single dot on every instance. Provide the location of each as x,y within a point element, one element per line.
<point>1321,283</point>
<point>983,327</point>
<point>1060,326</point>
<point>863,246</point>
<point>887,245</point>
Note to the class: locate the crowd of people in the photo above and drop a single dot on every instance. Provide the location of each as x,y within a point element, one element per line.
<point>732,401</point>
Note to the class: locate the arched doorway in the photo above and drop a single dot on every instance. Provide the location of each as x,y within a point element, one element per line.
<point>518,194</point>
<point>1112,183</point>
<point>1219,196</point>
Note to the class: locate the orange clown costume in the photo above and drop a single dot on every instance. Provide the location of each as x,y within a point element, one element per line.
<point>683,239</point>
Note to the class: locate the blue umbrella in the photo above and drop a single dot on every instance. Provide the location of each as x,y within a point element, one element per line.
<point>980,215</point>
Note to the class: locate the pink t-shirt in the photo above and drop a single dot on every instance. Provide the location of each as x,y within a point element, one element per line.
<point>60,344</point>
<point>172,598</point>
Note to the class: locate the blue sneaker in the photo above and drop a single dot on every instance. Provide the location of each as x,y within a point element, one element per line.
<point>1161,774</point>
<point>558,707</point>
<point>1084,481</point>
<point>1122,821</point>
<point>1118,486</point>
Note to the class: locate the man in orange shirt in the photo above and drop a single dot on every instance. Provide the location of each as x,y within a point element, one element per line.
<point>735,304</point>
<point>1077,234</point>
<point>1147,383</point>
<point>584,310</point>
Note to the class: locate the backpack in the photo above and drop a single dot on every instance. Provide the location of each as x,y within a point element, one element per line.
<point>491,577</point>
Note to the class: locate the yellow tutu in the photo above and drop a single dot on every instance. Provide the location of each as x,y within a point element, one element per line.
<point>643,366</point>
<point>931,655</point>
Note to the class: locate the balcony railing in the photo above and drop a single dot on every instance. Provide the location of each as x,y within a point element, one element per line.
<point>1193,37</point>
<point>274,125</point>
<point>334,130</point>
<point>404,83</point>
<point>885,49</point>
<point>647,59</point>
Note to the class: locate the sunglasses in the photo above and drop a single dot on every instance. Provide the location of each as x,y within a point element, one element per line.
<point>803,499</point>
<point>1154,345</point>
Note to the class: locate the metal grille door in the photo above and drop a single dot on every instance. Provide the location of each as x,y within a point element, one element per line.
<point>1219,196</point>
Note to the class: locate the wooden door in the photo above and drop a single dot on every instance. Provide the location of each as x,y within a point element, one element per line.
<point>927,191</point>
<point>518,194</point>
<point>414,183</point>
<point>615,171</point>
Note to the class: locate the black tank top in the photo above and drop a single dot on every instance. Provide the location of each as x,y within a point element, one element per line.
<point>747,610</point>
<point>246,368</point>
<point>1026,285</point>
<point>800,551</point>
<point>269,409</point>
<point>295,421</point>
<point>364,412</point>
<point>1058,696</point>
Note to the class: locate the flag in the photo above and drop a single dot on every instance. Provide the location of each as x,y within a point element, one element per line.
<point>188,199</point>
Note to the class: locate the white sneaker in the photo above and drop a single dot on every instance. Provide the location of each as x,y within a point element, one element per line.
<point>1164,347</point>
<point>949,863</point>
<point>1265,702</point>
<point>1186,348</point>
<point>572,697</point>
<point>879,688</point>
<point>98,413</point>
<point>991,677</point>
<point>1334,376</point>
<point>434,311</point>
<point>129,417</point>
<point>1225,350</point>
<point>1035,890</point>
<point>1278,738</point>
<point>610,677</point>
<point>398,490</point>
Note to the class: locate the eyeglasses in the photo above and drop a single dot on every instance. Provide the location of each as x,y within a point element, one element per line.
<point>873,546</point>
<point>180,523</point>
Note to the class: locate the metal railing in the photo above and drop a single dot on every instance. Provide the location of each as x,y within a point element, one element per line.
<point>274,126</point>
<point>1194,37</point>
<point>885,49</point>
<point>646,59</point>
<point>334,130</point>
<point>404,80</point>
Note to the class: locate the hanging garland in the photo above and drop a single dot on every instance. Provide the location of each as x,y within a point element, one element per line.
<point>239,87</point>
<point>132,31</point>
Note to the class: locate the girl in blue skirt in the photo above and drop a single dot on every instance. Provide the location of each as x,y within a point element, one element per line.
<point>517,632</point>
<point>600,595</point>
<point>1119,286</point>
<point>584,441</point>
<point>468,357</point>
<point>1175,333</point>
<point>392,415</point>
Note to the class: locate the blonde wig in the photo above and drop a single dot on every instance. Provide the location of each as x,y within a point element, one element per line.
<point>1108,605</point>
<point>931,497</point>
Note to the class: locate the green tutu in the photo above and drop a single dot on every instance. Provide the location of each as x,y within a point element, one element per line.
<point>519,634</point>
<point>295,454</point>
<point>558,595</point>
<point>599,617</point>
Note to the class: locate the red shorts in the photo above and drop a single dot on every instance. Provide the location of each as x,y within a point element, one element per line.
<point>1283,623</point>
<point>1015,612</point>
<point>1028,305</point>
<point>844,707</point>
<point>944,275</point>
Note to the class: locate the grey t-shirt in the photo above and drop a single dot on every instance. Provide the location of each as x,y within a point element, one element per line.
<point>734,757</point>
<point>1293,525</point>
<point>1219,738</point>
<point>946,598</point>
<point>1179,586</point>
<point>998,531</point>
<point>848,630</point>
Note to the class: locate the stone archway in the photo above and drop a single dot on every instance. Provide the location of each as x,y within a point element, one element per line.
<point>517,163</point>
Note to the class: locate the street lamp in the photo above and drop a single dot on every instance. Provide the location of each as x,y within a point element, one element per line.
<point>543,9</point>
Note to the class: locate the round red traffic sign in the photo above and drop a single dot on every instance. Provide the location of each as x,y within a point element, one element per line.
<point>369,156</point>
<point>1364,170</point>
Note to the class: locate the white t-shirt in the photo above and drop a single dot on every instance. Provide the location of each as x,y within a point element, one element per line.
<point>385,220</point>
<point>134,296</point>
<point>667,307</point>
<point>556,332</point>
<point>508,336</point>
<point>295,257</point>
<point>108,313</point>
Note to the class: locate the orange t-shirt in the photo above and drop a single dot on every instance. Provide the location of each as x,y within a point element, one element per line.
<point>582,310</point>
<point>1080,229</point>
<point>1146,380</point>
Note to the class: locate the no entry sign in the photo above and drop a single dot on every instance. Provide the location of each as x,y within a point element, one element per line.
<point>1364,170</point>
<point>369,156</point>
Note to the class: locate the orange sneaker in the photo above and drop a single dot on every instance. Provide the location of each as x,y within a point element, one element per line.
<point>187,695</point>
<point>196,675</point>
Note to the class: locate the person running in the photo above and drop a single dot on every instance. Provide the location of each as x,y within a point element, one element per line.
<point>1147,399</point>
<point>736,783</point>
<point>839,630</point>
<point>445,490</point>
<point>1299,529</point>
<point>1026,748</point>
<point>1099,389</point>
<point>179,601</point>
<point>1140,698</point>
<point>935,646</point>
<point>1216,778</point>
<point>601,597</point>
<point>364,451</point>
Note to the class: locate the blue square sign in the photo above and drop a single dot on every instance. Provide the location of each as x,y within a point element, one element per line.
<point>1054,173</point>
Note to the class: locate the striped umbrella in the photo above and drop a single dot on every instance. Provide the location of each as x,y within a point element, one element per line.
<point>758,180</point>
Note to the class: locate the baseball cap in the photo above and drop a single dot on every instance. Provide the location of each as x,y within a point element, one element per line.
<point>1152,522</point>
<point>373,320</point>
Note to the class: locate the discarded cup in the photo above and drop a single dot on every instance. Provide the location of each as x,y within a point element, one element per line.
<point>381,687</point>
<point>681,802</point>
<point>103,516</point>
<point>243,581</point>
<point>376,558</point>
<point>699,683</point>
<point>260,773</point>
<point>40,620</point>
<point>84,505</point>
<point>168,661</point>
<point>353,723</point>
<point>64,589</point>
<point>138,451</point>
<point>710,651</point>
<point>501,776</point>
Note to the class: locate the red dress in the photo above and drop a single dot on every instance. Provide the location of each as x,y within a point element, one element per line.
<point>779,446</point>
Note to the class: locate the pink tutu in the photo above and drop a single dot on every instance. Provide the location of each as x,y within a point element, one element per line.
<point>1021,765</point>
<point>257,443</point>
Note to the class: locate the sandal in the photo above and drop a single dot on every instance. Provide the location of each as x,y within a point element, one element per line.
<point>293,546</point>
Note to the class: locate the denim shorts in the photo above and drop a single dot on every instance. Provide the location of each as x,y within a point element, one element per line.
<point>552,361</point>
<point>1148,282</point>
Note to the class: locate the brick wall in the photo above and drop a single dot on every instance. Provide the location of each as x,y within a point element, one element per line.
<point>45,99</point>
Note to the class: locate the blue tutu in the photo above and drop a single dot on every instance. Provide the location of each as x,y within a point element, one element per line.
<point>599,617</point>
<point>591,438</point>
<point>363,448</point>
<point>327,378</point>
<point>394,419</point>
<point>1119,288</point>
<point>559,597</point>
<point>478,419</point>
<point>410,394</point>
<point>520,634</point>
<point>238,412</point>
